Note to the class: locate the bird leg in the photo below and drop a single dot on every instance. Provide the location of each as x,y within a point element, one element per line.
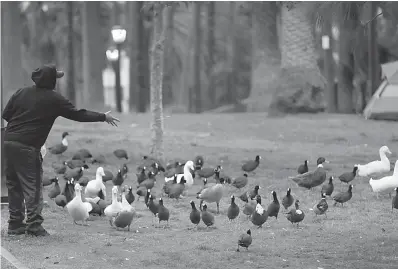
<point>238,248</point>
<point>84,222</point>
<point>110,222</point>
<point>128,227</point>
<point>218,208</point>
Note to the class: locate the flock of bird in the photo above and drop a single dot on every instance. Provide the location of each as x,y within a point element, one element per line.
<point>179,176</point>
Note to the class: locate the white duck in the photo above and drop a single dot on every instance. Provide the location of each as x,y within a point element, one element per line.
<point>376,167</point>
<point>115,207</point>
<point>385,184</point>
<point>78,209</point>
<point>95,187</point>
<point>187,175</point>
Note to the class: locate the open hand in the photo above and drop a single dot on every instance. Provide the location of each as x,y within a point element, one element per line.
<point>110,119</point>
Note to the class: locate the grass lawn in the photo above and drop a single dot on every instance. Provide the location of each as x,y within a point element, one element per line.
<point>363,234</point>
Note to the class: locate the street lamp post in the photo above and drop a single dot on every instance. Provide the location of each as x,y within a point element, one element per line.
<point>119,36</point>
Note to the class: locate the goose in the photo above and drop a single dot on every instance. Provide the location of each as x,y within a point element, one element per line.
<point>61,147</point>
<point>78,209</point>
<point>96,188</point>
<point>188,167</point>
<point>303,168</point>
<point>314,178</point>
<point>376,167</point>
<point>251,165</point>
<point>114,208</point>
<point>212,194</point>
<point>295,215</point>
<point>245,240</point>
<point>385,184</point>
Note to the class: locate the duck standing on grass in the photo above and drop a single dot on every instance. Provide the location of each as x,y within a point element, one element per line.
<point>75,173</point>
<point>153,207</point>
<point>376,167</point>
<point>240,182</point>
<point>121,154</point>
<point>78,209</point>
<point>386,184</point>
<point>60,148</point>
<point>251,165</point>
<point>245,240</point>
<point>96,188</point>
<point>124,218</point>
<point>163,213</point>
<point>314,178</point>
<point>114,208</point>
<point>55,190</point>
<point>295,215</point>
<point>343,197</point>
<point>212,194</point>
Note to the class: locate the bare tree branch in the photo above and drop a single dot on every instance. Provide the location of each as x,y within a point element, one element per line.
<point>375,17</point>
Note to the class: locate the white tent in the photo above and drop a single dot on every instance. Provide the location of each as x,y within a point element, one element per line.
<point>384,103</point>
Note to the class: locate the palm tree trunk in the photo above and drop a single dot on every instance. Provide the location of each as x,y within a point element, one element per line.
<point>134,41</point>
<point>168,17</point>
<point>300,85</point>
<point>11,62</point>
<point>93,92</point>
<point>156,84</point>
<point>196,87</point>
<point>71,57</point>
<point>143,64</point>
<point>211,24</point>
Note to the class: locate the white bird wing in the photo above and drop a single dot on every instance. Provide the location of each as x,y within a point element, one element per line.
<point>88,206</point>
<point>372,168</point>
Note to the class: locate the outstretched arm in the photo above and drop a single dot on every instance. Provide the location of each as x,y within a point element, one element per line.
<point>67,110</point>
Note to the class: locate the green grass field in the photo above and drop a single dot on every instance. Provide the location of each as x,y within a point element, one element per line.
<point>363,234</point>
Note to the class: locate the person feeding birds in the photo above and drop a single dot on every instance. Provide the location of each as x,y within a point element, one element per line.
<point>30,114</point>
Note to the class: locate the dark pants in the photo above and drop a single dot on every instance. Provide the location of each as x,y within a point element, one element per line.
<point>23,169</point>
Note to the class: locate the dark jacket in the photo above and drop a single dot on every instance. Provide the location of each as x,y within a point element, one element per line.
<point>31,111</point>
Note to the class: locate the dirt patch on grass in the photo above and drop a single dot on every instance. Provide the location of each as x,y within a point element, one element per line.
<point>363,234</point>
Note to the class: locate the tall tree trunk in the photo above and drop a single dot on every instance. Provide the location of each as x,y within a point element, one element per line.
<point>71,56</point>
<point>143,64</point>
<point>92,73</point>
<point>168,18</point>
<point>196,87</point>
<point>134,41</point>
<point>11,40</point>
<point>232,56</point>
<point>266,55</point>
<point>156,84</point>
<point>345,74</point>
<point>211,24</point>
<point>300,86</point>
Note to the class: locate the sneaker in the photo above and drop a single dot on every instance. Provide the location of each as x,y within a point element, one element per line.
<point>41,232</point>
<point>17,230</point>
